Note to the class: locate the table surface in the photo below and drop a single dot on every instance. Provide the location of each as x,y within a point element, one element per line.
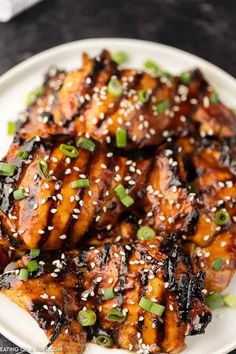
<point>202,27</point>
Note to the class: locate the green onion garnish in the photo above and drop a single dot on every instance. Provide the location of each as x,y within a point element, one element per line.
<point>105,341</point>
<point>162,106</point>
<point>43,170</point>
<point>151,306</point>
<point>87,318</point>
<point>230,300</point>
<point>145,233</point>
<point>80,183</point>
<point>19,194</point>
<point>69,150</point>
<point>22,155</point>
<point>7,169</point>
<point>32,266</point>
<point>23,275</point>
<point>151,66</point>
<point>35,252</point>
<point>116,315</point>
<point>143,96</point>
<point>120,57</point>
<point>215,301</point>
<point>222,217</point>
<point>121,137</point>
<point>125,199</point>
<point>86,144</point>
<point>120,191</point>
<point>114,88</point>
<point>186,78</point>
<point>33,95</point>
<point>217,264</point>
<point>109,293</point>
<point>214,98</point>
<point>11,128</point>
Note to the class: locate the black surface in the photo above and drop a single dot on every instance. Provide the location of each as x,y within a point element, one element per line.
<point>205,28</point>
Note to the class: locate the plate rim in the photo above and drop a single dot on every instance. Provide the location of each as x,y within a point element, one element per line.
<point>103,43</point>
<point>118,40</point>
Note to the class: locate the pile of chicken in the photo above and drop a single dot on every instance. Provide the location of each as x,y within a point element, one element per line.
<point>118,203</point>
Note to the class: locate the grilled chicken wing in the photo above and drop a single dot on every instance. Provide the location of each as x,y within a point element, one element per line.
<point>52,214</point>
<point>68,282</point>
<point>213,176</point>
<point>79,102</point>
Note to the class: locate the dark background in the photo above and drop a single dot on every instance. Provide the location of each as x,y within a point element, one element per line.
<point>205,28</point>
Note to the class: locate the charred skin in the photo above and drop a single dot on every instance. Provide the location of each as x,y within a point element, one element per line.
<point>78,102</point>
<point>213,176</point>
<point>53,215</point>
<point>75,280</point>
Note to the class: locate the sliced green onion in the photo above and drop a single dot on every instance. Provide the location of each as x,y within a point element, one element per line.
<point>214,98</point>
<point>151,306</point>
<point>23,275</point>
<point>80,183</point>
<point>127,201</point>
<point>116,315</point>
<point>215,301</point>
<point>69,150</point>
<point>87,318</point>
<point>145,233</point>
<point>22,155</point>
<point>222,217</point>
<point>123,196</point>
<point>33,95</point>
<point>186,77</point>
<point>114,88</point>
<point>109,293</point>
<point>167,75</point>
<point>43,170</point>
<point>11,128</point>
<point>217,264</point>
<point>35,252</point>
<point>19,194</point>
<point>151,66</point>
<point>120,191</point>
<point>230,300</point>
<point>32,266</point>
<point>121,137</point>
<point>143,96</point>
<point>105,341</point>
<point>120,57</point>
<point>7,169</point>
<point>86,144</point>
<point>162,106</point>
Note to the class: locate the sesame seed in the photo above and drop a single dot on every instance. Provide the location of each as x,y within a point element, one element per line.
<point>63,237</point>
<point>53,210</point>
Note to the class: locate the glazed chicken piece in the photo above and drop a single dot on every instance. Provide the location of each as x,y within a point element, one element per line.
<point>149,107</point>
<point>214,118</point>
<point>116,282</point>
<point>213,177</point>
<point>54,201</point>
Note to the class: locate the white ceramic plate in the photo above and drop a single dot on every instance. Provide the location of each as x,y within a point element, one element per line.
<point>17,325</point>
